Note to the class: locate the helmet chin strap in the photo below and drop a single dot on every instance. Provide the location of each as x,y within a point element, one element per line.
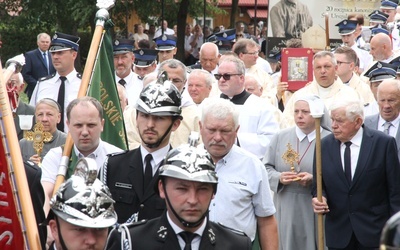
<point>181,220</point>
<point>64,247</point>
<point>157,143</point>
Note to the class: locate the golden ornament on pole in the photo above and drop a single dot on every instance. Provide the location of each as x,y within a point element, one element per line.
<point>38,136</point>
<point>290,157</point>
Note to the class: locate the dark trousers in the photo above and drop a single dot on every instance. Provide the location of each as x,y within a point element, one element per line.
<point>354,244</point>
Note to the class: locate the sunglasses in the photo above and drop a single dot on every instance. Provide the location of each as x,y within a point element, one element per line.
<point>225,76</point>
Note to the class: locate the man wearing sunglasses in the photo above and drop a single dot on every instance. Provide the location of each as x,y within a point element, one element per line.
<point>257,121</point>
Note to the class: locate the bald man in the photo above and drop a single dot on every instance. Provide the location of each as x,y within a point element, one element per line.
<point>208,57</point>
<point>252,85</point>
<point>389,110</point>
<point>381,48</point>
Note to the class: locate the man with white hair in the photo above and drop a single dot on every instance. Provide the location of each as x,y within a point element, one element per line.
<point>209,57</point>
<point>361,172</point>
<point>252,85</point>
<point>243,200</point>
<point>200,85</point>
<point>388,120</point>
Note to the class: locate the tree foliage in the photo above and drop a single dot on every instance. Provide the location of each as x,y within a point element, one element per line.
<point>18,32</point>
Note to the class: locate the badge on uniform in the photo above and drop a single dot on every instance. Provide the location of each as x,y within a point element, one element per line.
<point>123,185</point>
<point>211,236</point>
<point>162,232</point>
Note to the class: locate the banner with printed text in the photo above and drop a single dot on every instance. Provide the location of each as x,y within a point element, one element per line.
<point>291,18</point>
<point>11,237</point>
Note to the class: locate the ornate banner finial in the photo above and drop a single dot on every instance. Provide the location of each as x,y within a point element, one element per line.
<point>38,136</point>
<point>105,4</point>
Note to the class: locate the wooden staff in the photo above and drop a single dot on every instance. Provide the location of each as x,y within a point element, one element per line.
<point>318,164</point>
<point>328,44</point>
<point>102,16</point>
<point>27,218</point>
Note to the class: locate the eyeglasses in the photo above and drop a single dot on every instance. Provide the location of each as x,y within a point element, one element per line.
<point>340,62</point>
<point>252,53</point>
<point>225,76</point>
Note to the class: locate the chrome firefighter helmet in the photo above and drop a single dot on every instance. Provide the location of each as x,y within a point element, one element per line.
<point>83,200</point>
<point>161,98</point>
<point>189,162</point>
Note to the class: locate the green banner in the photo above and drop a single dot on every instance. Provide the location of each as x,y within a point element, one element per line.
<point>104,89</point>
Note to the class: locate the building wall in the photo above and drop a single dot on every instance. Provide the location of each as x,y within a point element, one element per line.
<point>220,19</point>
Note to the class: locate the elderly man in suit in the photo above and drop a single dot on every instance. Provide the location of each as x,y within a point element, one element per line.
<point>360,180</point>
<point>388,118</point>
<point>38,63</point>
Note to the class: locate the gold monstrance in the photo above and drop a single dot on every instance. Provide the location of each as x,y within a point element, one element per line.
<point>290,157</point>
<point>38,136</point>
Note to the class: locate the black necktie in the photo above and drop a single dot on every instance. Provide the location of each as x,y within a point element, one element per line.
<point>60,100</point>
<point>148,173</point>
<point>45,62</point>
<point>122,82</point>
<point>187,237</point>
<point>347,162</point>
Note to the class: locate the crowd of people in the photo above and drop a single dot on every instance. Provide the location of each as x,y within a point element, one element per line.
<point>221,154</point>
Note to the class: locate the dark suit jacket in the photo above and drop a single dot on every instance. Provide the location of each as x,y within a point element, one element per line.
<point>372,123</point>
<point>33,175</point>
<point>158,234</point>
<point>195,66</point>
<point>23,109</point>
<point>34,69</point>
<point>125,181</point>
<point>366,204</point>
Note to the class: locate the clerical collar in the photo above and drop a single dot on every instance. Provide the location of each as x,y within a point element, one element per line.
<point>239,99</point>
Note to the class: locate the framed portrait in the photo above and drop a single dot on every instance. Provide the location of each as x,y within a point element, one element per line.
<point>297,67</point>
